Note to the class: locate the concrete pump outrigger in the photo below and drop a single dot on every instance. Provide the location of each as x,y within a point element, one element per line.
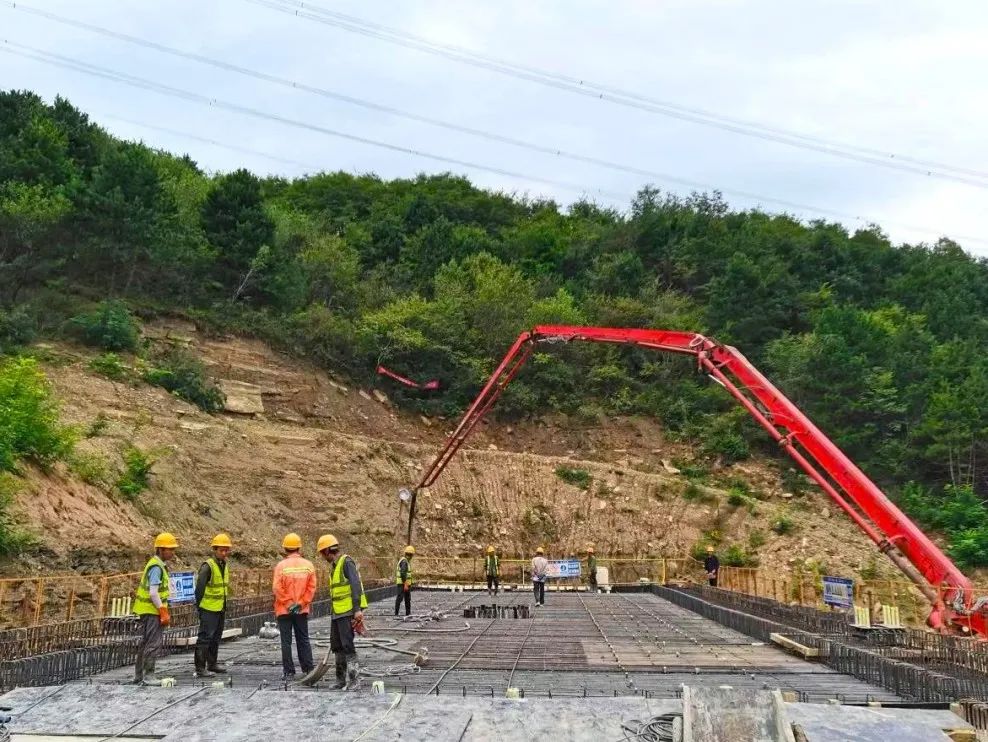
<point>954,607</point>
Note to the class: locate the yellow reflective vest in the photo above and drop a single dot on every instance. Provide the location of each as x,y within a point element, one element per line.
<point>142,599</point>
<point>339,589</point>
<point>218,587</point>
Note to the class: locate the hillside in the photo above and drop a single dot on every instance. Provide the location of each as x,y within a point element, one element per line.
<point>323,456</point>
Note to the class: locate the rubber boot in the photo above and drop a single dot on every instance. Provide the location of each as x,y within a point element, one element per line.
<point>200,662</point>
<point>352,672</point>
<point>218,668</point>
<point>340,671</point>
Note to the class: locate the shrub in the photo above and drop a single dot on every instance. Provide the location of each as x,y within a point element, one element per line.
<point>578,477</point>
<point>110,327</point>
<point>736,498</point>
<point>29,426</point>
<point>98,426</point>
<point>756,539</point>
<point>91,468</point>
<point>111,366</point>
<point>183,375</point>
<point>136,476</point>
<point>17,328</point>
<point>736,556</point>
<point>783,525</point>
<point>695,493</point>
<point>13,540</point>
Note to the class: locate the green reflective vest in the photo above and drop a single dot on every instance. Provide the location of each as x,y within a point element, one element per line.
<point>492,566</point>
<point>142,600</point>
<point>408,565</point>
<point>339,589</point>
<point>218,587</point>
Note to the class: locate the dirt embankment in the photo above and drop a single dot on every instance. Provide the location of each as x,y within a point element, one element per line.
<point>307,452</point>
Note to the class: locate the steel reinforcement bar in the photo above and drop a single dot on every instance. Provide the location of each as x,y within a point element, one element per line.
<point>907,673</point>
<point>68,653</point>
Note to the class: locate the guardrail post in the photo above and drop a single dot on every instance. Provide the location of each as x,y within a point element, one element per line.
<point>663,581</point>
<point>39,600</point>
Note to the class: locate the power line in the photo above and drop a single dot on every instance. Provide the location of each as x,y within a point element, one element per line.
<point>390,110</point>
<point>610,94</point>
<point>59,60</point>
<point>200,138</point>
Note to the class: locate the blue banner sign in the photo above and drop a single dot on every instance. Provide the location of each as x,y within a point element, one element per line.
<point>182,587</point>
<point>838,592</point>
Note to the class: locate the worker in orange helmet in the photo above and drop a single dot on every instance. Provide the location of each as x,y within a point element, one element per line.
<point>294,587</point>
<point>151,605</point>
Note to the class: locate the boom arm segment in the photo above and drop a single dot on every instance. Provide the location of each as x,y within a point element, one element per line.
<point>943,584</point>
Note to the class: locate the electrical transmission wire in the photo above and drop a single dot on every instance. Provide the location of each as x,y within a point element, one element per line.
<point>611,94</point>
<point>58,60</point>
<point>390,110</point>
<point>76,65</point>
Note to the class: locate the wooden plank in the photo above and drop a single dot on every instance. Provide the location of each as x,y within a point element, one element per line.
<point>189,641</point>
<point>794,646</point>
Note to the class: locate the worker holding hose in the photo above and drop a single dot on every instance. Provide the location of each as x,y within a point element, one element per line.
<point>349,601</point>
<point>403,579</point>
<point>151,605</point>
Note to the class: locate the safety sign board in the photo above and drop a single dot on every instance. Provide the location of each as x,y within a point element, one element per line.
<point>181,587</point>
<point>838,592</point>
<point>564,568</point>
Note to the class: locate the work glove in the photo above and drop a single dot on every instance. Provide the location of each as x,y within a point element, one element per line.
<point>408,585</point>
<point>294,608</point>
<point>164,616</point>
<point>358,623</point>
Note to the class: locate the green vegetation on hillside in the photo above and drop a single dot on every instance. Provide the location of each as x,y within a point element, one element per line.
<point>884,346</point>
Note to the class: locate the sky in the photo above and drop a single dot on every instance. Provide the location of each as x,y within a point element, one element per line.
<point>903,79</point>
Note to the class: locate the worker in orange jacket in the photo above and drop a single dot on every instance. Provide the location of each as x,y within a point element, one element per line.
<point>294,586</point>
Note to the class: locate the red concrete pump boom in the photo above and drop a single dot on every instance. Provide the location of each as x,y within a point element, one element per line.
<point>941,582</point>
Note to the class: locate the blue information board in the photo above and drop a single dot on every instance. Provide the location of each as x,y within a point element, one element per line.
<point>564,568</point>
<point>181,587</point>
<point>838,592</point>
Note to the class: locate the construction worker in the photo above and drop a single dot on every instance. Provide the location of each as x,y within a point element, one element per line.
<point>592,569</point>
<point>403,581</point>
<point>540,570</point>
<point>151,604</point>
<point>492,568</point>
<point>711,564</point>
<point>349,601</point>
<point>212,590</point>
<point>294,586</point>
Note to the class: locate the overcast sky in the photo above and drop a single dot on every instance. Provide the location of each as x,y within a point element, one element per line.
<point>906,78</point>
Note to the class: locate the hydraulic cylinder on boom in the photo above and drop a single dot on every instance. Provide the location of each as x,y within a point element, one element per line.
<point>954,608</point>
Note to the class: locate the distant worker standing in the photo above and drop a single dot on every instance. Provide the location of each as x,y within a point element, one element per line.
<point>349,601</point>
<point>492,569</point>
<point>403,580</point>
<point>151,604</point>
<point>592,569</point>
<point>540,571</point>
<point>294,587</point>
<point>711,564</point>
<point>212,590</point>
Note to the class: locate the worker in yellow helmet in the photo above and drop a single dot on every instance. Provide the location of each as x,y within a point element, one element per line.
<point>151,605</point>
<point>348,602</point>
<point>492,569</point>
<point>540,572</point>
<point>212,591</point>
<point>294,586</point>
<point>403,580</point>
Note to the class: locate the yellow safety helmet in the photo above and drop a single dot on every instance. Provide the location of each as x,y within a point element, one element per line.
<point>165,540</point>
<point>291,541</point>
<point>410,550</point>
<point>540,550</point>
<point>327,541</point>
<point>710,550</point>
<point>221,539</point>
<point>490,549</point>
